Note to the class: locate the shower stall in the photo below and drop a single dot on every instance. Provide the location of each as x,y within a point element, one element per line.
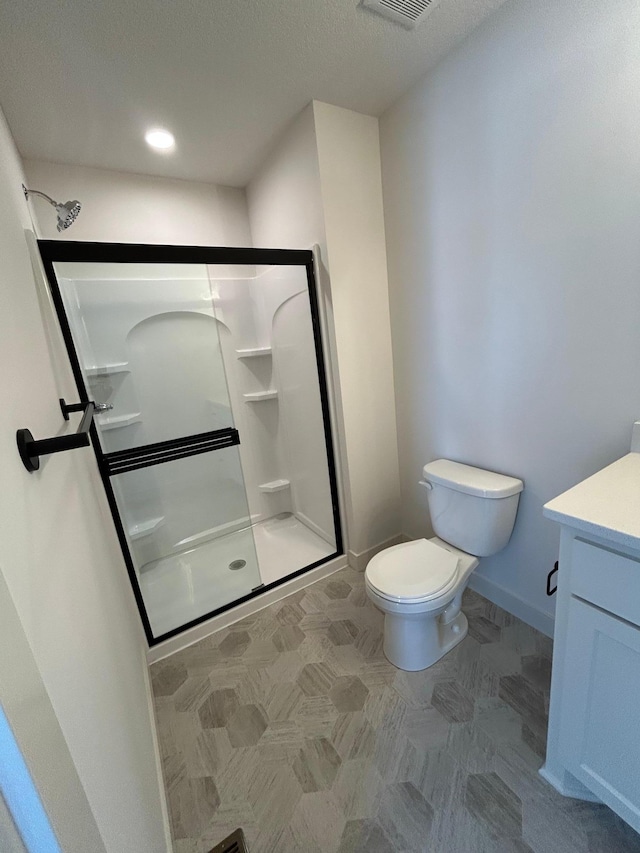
<point>215,450</point>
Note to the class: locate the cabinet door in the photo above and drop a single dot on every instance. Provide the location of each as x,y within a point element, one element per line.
<point>600,718</point>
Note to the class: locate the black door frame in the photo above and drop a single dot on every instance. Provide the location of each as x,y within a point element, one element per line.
<point>53,251</point>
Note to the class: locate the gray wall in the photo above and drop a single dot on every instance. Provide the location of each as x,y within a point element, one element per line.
<point>511,178</point>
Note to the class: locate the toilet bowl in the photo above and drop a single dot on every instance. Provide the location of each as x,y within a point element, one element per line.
<point>419,584</point>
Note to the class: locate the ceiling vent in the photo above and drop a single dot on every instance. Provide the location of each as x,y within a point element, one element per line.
<point>409,13</point>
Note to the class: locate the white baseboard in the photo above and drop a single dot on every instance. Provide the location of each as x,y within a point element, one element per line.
<point>359,561</point>
<point>538,619</point>
<point>247,608</point>
<point>577,791</point>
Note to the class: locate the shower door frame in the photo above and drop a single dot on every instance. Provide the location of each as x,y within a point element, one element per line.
<point>59,251</point>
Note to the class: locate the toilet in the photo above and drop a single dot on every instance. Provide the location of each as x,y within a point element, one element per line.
<point>418,585</point>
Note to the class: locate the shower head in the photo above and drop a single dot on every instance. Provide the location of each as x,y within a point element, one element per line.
<point>67,211</point>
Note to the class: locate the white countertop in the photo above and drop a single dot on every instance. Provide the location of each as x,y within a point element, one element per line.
<point>606,504</point>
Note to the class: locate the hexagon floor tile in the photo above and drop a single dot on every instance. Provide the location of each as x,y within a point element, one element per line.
<point>294,726</point>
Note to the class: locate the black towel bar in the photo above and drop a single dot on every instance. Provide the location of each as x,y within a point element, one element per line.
<point>31,450</point>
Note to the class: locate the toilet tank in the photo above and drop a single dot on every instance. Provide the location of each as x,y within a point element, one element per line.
<point>471,508</point>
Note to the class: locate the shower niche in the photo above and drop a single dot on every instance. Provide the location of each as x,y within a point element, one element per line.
<point>216,452</point>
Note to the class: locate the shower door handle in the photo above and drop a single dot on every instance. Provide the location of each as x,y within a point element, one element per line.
<point>143,456</point>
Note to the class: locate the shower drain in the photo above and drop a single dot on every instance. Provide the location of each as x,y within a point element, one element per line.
<point>234,565</point>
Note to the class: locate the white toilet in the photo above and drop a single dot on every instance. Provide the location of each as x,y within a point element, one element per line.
<point>419,585</point>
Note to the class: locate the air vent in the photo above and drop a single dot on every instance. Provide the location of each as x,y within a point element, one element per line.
<point>409,13</point>
<point>234,843</point>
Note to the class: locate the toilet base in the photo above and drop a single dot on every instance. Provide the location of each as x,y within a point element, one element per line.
<point>417,642</point>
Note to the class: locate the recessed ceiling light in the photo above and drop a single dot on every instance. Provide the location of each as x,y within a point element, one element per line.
<point>160,139</point>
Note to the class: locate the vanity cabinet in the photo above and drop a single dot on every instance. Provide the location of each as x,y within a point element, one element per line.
<point>593,747</point>
<point>599,737</point>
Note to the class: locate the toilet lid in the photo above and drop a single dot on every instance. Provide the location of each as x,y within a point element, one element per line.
<point>413,571</point>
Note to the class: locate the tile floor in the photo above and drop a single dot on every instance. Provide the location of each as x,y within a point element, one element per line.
<point>293,725</point>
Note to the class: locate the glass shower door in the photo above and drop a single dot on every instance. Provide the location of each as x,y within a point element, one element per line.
<point>150,346</point>
<point>215,448</point>
<point>196,553</point>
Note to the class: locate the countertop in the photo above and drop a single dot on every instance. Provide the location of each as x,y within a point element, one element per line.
<point>606,504</point>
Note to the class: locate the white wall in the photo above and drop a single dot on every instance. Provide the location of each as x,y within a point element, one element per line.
<point>284,198</point>
<point>61,563</point>
<point>119,207</point>
<point>511,179</point>
<point>321,184</point>
<point>350,180</point>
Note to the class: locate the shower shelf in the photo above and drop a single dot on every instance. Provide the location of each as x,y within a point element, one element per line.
<point>253,353</point>
<point>258,396</point>
<point>108,369</point>
<point>145,528</point>
<point>117,421</point>
<point>274,486</point>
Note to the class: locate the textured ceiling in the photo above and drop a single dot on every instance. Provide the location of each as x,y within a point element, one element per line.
<point>81,81</point>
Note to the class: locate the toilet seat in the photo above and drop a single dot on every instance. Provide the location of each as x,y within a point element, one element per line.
<point>413,572</point>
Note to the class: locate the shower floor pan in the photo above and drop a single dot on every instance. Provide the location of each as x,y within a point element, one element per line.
<point>182,587</point>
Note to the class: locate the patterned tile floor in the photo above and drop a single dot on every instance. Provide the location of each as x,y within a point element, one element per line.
<point>293,725</point>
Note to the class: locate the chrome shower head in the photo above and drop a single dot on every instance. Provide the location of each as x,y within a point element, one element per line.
<point>67,211</point>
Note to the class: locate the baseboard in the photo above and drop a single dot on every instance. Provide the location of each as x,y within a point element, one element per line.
<point>538,619</point>
<point>577,791</point>
<point>248,608</point>
<point>359,561</point>
<point>166,826</point>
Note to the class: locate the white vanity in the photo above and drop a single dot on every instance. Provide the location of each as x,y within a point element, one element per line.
<point>593,747</point>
